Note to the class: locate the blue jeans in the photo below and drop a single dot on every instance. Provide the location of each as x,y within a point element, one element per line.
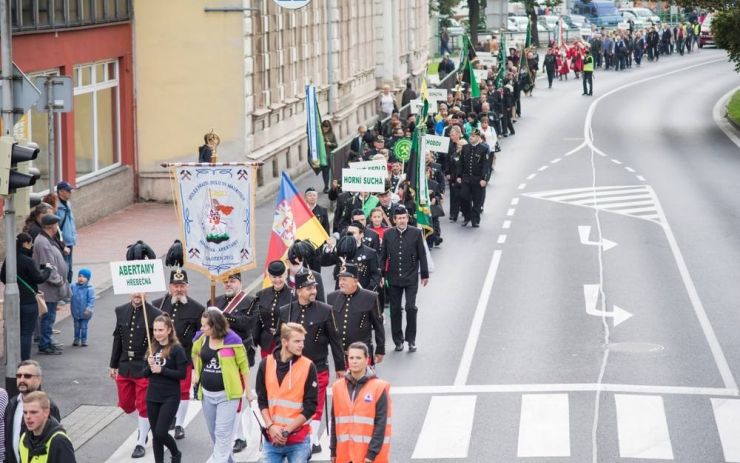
<point>296,453</point>
<point>81,329</point>
<point>29,315</point>
<point>68,260</point>
<point>47,323</point>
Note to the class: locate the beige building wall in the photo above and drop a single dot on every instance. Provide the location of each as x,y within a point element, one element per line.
<point>189,67</point>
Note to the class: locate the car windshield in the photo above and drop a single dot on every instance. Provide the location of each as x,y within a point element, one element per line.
<point>606,9</point>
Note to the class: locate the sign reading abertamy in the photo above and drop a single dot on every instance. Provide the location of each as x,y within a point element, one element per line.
<point>292,4</point>
<point>437,143</point>
<point>363,180</point>
<point>137,276</point>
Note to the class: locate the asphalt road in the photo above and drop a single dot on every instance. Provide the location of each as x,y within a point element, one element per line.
<point>522,353</point>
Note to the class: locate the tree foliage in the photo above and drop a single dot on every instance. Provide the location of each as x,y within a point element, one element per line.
<point>530,8</point>
<point>442,7</point>
<point>725,24</point>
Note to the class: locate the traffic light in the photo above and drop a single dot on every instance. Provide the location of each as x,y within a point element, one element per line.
<point>11,153</point>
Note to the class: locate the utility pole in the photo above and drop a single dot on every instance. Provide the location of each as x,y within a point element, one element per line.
<point>50,123</point>
<point>11,304</point>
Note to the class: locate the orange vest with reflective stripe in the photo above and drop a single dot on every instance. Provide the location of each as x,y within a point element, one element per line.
<point>285,401</point>
<point>355,420</point>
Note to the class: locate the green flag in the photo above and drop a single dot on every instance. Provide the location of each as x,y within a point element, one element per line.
<point>473,81</point>
<point>501,62</point>
<point>528,37</point>
<point>416,171</point>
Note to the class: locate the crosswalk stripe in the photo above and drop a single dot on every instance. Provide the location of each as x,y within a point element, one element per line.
<point>544,426</point>
<point>642,427</point>
<point>610,199</point>
<point>628,204</point>
<point>589,194</point>
<point>727,417</point>
<point>447,428</point>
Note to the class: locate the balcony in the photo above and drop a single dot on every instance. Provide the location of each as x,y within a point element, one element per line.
<point>28,16</point>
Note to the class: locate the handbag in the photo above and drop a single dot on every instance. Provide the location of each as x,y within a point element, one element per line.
<point>43,310</point>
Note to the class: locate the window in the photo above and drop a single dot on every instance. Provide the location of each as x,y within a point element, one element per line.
<point>96,117</point>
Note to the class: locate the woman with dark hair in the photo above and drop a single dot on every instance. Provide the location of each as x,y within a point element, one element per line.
<point>330,142</point>
<point>166,367</point>
<point>221,372</point>
<point>29,275</point>
<point>32,226</point>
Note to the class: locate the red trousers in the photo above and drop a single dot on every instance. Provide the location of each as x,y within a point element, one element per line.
<point>323,380</point>
<point>185,384</point>
<point>132,394</point>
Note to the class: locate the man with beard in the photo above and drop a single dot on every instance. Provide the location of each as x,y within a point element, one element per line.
<point>357,313</point>
<point>240,311</point>
<point>127,361</point>
<point>269,300</point>
<point>28,378</point>
<point>185,313</point>
<point>321,334</point>
<point>302,254</point>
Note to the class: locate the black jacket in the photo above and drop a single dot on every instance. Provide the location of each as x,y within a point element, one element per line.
<point>268,303</point>
<point>367,263</point>
<point>186,318</point>
<point>323,215</point>
<point>358,315</point>
<point>31,274</point>
<point>9,415</point>
<point>474,162</point>
<point>405,255</point>
<point>60,449</point>
<point>130,341</point>
<point>321,333</point>
<point>242,319</point>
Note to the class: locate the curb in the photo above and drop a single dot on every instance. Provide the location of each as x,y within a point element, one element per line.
<point>727,125</point>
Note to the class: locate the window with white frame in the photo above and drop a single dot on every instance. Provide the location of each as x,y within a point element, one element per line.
<point>96,117</point>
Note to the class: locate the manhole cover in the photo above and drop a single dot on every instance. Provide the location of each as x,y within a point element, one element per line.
<point>635,347</point>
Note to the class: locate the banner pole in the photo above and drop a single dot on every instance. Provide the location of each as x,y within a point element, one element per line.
<point>213,292</point>
<point>146,323</point>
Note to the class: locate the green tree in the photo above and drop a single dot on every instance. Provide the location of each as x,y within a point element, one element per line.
<point>725,24</point>
<point>530,8</point>
<point>474,9</point>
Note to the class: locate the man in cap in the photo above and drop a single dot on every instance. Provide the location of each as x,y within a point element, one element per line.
<point>269,300</point>
<point>387,205</point>
<point>473,168</point>
<point>402,254</point>
<point>350,248</point>
<point>67,222</point>
<point>312,200</point>
<point>302,254</point>
<point>357,313</point>
<point>321,334</point>
<point>130,343</point>
<point>49,250</point>
<point>378,145</point>
<point>185,312</point>
<point>239,309</point>
<point>369,237</point>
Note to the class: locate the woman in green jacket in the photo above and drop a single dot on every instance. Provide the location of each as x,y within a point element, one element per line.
<point>221,372</point>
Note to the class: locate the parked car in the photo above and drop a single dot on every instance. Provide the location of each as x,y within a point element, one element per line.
<point>521,22</point>
<point>644,14</point>
<point>582,24</point>
<point>511,25</point>
<point>598,12</point>
<point>706,37</point>
<point>638,23</point>
<point>551,22</point>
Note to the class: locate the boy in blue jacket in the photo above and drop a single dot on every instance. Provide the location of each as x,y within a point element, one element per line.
<point>83,305</point>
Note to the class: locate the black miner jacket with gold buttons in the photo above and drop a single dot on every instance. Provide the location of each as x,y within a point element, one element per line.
<point>405,255</point>
<point>186,318</point>
<point>130,341</point>
<point>474,162</point>
<point>269,302</point>
<point>357,316</point>
<point>321,333</point>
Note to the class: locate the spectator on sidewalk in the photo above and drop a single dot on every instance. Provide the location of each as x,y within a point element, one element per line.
<point>67,223</point>
<point>407,95</point>
<point>446,66</point>
<point>48,249</point>
<point>45,441</point>
<point>29,276</point>
<point>33,221</point>
<point>28,379</point>
<point>83,305</point>
<point>211,140</point>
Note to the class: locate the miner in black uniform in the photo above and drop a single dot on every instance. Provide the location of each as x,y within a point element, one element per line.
<point>387,204</point>
<point>185,312</point>
<point>240,311</point>
<point>369,237</point>
<point>302,254</point>
<point>127,361</point>
<point>321,334</point>
<point>403,252</point>
<point>473,168</point>
<point>357,313</point>
<point>269,301</point>
<point>350,249</point>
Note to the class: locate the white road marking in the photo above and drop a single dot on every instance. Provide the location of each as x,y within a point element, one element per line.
<point>642,427</point>
<point>506,225</point>
<point>584,232</point>
<point>447,428</point>
<point>591,298</point>
<point>615,161</point>
<point>531,176</point>
<point>610,199</point>
<point>514,201</point>
<point>555,161</point>
<point>544,426</point>
<point>567,387</point>
<point>573,138</point>
<point>521,186</point>
<point>718,113</point>
<point>511,212</point>
<point>640,178</point>
<point>542,168</point>
<point>600,153</point>
<point>501,239</point>
<point>480,311</point>
<point>727,417</point>
<point>629,169</point>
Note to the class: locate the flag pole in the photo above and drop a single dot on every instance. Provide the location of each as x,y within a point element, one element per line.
<point>146,323</point>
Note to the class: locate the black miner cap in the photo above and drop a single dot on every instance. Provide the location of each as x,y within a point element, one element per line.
<point>178,276</point>
<point>348,270</point>
<point>304,278</point>
<point>276,268</point>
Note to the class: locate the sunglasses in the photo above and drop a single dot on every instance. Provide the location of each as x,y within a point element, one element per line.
<point>24,375</point>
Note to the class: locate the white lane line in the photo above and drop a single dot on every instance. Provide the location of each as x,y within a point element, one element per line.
<point>640,178</point>
<point>521,186</point>
<point>630,211</point>
<point>629,169</point>
<point>480,311</point>
<point>543,168</point>
<point>727,417</point>
<point>506,225</point>
<point>501,239</point>
<point>544,426</point>
<point>642,427</point>
<point>572,138</point>
<point>718,113</point>
<point>615,161</point>
<point>573,387</point>
<point>447,428</point>
<point>555,161</point>
<point>510,212</point>
<point>600,153</point>
<point>514,201</point>
<point>531,176</point>
<point>611,199</point>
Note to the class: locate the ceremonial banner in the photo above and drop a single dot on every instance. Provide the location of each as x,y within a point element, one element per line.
<point>215,206</point>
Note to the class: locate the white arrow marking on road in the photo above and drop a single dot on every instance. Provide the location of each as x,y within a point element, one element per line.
<point>591,296</point>
<point>584,231</point>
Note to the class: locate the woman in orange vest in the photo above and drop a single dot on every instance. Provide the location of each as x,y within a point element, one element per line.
<point>361,413</point>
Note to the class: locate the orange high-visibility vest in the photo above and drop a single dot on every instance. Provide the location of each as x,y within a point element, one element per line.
<point>285,400</point>
<point>355,420</point>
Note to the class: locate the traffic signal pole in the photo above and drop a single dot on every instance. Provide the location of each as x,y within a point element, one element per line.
<point>11,303</point>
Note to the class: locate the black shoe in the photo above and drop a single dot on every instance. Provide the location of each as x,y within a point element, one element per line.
<point>412,347</point>
<point>315,448</point>
<point>453,219</point>
<point>50,351</point>
<point>505,135</point>
<point>584,94</point>
<point>139,452</point>
<point>180,433</point>
<point>239,445</point>
<point>440,240</point>
<point>326,189</point>
<point>399,347</point>
<point>476,225</point>
<point>465,223</point>
<point>177,457</point>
